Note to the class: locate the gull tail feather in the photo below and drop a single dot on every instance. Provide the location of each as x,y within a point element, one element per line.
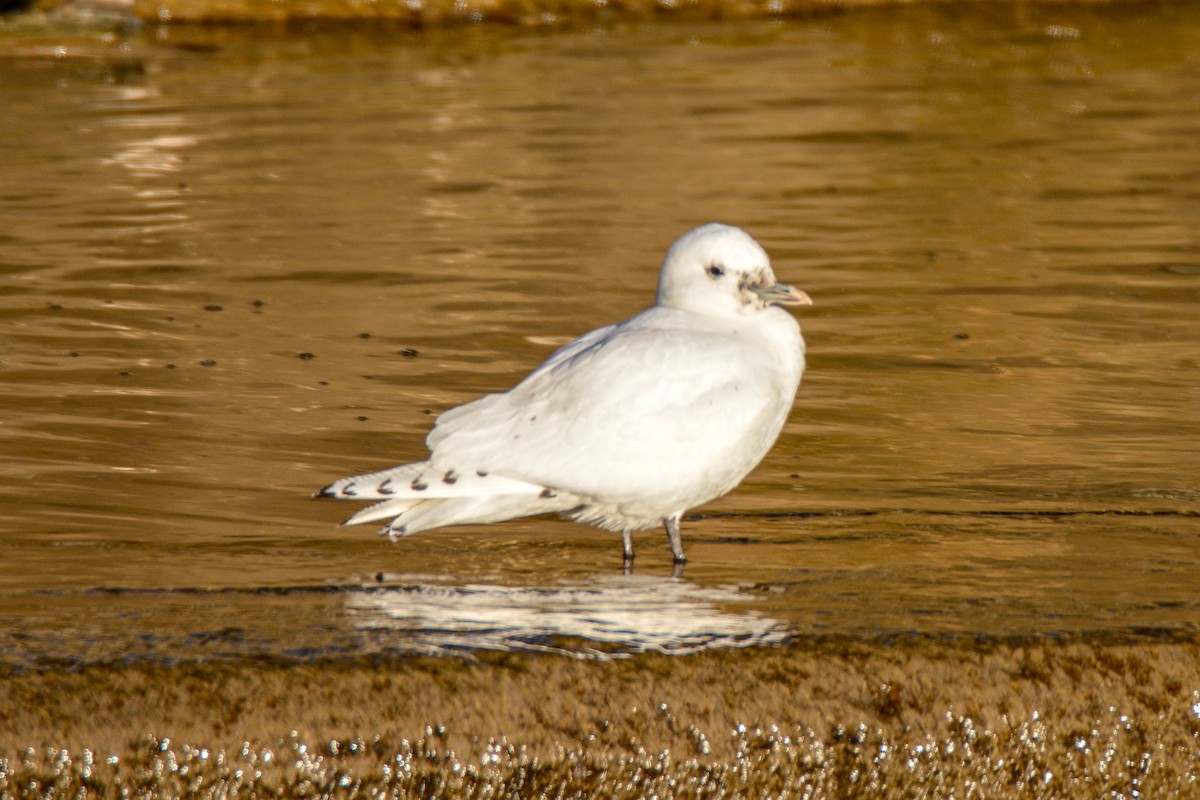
<point>440,513</point>
<point>420,496</point>
<point>382,485</point>
<point>424,481</point>
<point>386,509</point>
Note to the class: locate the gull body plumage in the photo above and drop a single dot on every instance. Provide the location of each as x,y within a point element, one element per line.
<point>626,427</point>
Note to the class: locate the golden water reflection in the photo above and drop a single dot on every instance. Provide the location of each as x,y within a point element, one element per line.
<point>257,263</point>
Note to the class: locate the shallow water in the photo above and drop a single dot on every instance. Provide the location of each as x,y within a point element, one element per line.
<point>239,264</point>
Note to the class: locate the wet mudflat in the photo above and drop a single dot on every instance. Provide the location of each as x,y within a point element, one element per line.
<point>826,719</point>
<point>236,264</point>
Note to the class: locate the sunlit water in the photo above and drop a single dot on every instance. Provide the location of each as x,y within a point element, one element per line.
<point>236,266</point>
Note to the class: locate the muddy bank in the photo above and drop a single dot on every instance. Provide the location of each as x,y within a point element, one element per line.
<point>1078,719</point>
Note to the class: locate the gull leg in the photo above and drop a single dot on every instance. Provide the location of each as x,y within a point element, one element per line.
<point>672,526</point>
<point>627,548</point>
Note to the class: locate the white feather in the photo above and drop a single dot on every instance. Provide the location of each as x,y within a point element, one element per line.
<point>627,426</point>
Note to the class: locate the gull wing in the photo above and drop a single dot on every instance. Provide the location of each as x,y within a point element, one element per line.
<point>625,410</point>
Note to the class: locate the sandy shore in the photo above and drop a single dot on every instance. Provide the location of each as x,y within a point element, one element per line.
<point>443,13</point>
<point>1074,719</point>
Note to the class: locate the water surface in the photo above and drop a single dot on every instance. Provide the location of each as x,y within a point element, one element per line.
<point>235,265</point>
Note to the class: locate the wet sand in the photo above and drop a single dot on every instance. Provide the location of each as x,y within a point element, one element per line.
<point>453,13</point>
<point>1080,719</point>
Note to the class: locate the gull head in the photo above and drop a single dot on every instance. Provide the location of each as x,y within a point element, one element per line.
<point>719,270</point>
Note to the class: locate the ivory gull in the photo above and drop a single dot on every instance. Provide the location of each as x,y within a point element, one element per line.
<point>627,426</point>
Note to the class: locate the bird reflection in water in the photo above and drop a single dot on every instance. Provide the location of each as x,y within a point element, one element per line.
<point>608,617</point>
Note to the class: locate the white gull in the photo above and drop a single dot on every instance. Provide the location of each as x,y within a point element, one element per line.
<point>627,426</point>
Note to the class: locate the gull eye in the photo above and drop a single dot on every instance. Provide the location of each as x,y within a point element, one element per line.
<point>715,271</point>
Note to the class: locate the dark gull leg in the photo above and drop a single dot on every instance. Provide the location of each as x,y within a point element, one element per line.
<point>672,526</point>
<point>627,548</point>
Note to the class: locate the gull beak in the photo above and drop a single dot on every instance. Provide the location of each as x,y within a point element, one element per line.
<point>782,294</point>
